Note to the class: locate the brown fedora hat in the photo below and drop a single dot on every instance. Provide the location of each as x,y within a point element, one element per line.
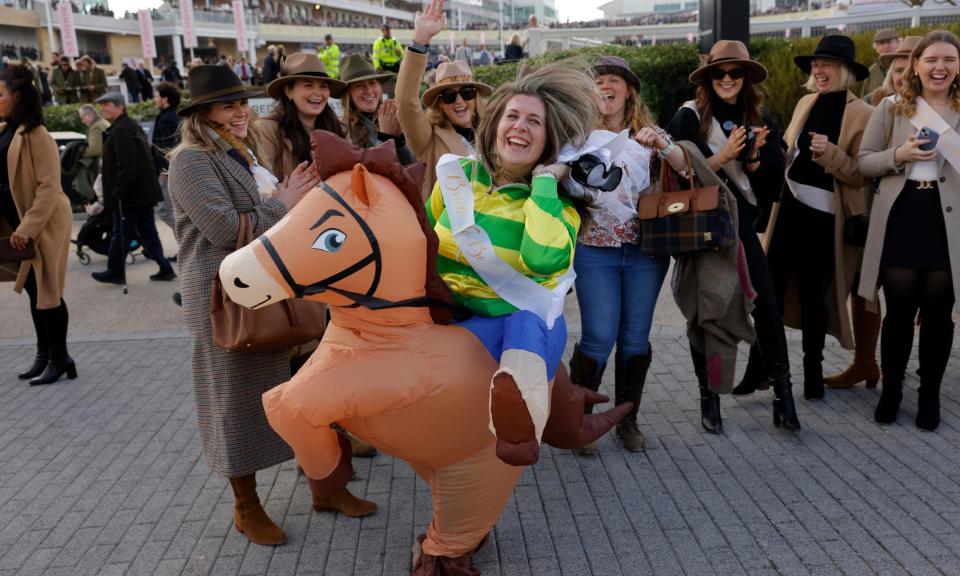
<point>451,75</point>
<point>209,84</point>
<point>303,66</point>
<point>729,52</point>
<point>903,51</point>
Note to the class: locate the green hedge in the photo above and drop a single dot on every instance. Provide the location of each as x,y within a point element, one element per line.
<point>663,69</point>
<point>63,117</point>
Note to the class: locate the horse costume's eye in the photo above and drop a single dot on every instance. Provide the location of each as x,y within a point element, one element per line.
<point>330,241</point>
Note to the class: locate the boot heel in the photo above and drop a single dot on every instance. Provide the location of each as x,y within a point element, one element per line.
<point>72,371</point>
<point>871,384</point>
<point>777,414</point>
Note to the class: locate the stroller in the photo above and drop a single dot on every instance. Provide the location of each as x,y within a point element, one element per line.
<point>95,234</point>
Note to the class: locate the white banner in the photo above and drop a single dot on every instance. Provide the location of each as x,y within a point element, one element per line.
<point>68,34</point>
<point>147,41</point>
<point>186,18</point>
<point>238,20</point>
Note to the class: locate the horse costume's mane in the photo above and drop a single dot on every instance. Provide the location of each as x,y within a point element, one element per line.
<point>332,155</point>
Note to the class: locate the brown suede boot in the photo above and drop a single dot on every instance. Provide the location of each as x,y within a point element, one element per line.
<point>866,331</point>
<point>345,503</point>
<point>584,371</point>
<point>630,376</point>
<point>248,514</point>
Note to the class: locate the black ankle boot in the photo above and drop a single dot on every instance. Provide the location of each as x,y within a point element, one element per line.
<point>812,378</point>
<point>710,411</point>
<point>39,363</point>
<point>784,409</point>
<point>889,404</point>
<point>60,364</point>
<point>755,377</point>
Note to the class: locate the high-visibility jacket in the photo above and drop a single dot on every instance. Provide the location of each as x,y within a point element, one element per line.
<point>330,56</point>
<point>386,51</point>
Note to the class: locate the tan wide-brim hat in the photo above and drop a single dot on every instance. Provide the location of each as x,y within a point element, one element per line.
<point>303,66</point>
<point>453,75</point>
<point>729,52</point>
<point>903,51</point>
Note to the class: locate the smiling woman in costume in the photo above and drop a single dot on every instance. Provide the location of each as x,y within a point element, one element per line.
<point>215,176</point>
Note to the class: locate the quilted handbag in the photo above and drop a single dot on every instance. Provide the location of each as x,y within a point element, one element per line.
<point>272,328</point>
<point>674,222</point>
<point>10,255</point>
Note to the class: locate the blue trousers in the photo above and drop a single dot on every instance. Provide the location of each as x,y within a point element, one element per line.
<point>139,219</point>
<point>617,289</point>
<point>521,330</point>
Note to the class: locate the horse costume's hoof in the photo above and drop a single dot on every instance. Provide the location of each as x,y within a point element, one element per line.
<point>345,503</point>
<point>516,436</point>
<point>428,565</point>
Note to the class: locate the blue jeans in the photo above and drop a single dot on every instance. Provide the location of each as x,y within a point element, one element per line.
<point>136,220</point>
<point>617,289</point>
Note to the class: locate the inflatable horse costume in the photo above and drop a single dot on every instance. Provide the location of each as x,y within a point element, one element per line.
<point>392,368</point>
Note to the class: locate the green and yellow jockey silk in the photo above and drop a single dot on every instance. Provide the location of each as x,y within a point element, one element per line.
<point>330,56</point>
<point>533,230</point>
<point>386,51</point>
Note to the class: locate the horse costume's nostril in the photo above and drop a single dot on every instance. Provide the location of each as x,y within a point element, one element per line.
<point>239,284</point>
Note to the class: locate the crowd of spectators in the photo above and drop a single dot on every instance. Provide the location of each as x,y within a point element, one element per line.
<point>19,52</point>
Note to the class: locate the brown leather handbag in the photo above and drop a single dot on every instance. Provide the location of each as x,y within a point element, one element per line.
<point>273,328</point>
<point>10,255</point>
<point>674,222</point>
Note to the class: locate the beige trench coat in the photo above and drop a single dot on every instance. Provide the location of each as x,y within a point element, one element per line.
<point>33,164</point>
<point>840,161</point>
<point>428,142</point>
<point>876,161</point>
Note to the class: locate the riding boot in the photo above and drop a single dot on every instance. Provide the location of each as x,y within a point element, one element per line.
<point>895,345</point>
<point>813,376</point>
<point>709,400</point>
<point>630,376</point>
<point>43,347</point>
<point>248,515</point>
<point>935,344</point>
<point>55,322</point>
<point>586,372</point>
<point>866,332</point>
<point>755,377</point>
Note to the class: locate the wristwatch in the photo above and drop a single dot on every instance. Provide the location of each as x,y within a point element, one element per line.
<point>420,48</point>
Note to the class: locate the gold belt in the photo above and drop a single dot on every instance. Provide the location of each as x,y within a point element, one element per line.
<point>924,184</point>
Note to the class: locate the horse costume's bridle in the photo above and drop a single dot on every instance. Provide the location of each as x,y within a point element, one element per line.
<point>367,300</point>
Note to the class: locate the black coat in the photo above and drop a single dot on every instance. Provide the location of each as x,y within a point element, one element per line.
<point>269,69</point>
<point>130,78</point>
<point>128,172</point>
<point>146,83</point>
<point>165,137</point>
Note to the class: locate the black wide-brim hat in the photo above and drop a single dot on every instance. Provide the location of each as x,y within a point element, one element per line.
<point>839,48</point>
<point>210,84</point>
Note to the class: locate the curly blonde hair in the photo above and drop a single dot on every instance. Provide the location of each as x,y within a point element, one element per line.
<point>571,100</point>
<point>912,88</point>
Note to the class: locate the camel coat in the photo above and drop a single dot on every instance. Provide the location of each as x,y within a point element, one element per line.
<point>427,141</point>
<point>33,163</point>
<point>276,150</point>
<point>877,161</point>
<point>840,161</point>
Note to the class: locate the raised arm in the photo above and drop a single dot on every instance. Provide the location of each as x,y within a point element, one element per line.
<point>413,119</point>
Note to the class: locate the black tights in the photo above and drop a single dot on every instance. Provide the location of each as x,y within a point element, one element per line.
<point>50,325</point>
<point>907,291</point>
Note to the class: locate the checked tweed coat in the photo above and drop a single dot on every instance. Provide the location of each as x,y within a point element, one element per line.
<point>209,189</point>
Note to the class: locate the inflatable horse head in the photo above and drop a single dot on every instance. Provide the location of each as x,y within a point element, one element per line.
<point>330,248</point>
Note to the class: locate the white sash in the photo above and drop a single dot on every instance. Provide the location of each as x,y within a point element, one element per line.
<point>816,198</point>
<point>948,145</point>
<point>475,246</point>
<point>733,169</point>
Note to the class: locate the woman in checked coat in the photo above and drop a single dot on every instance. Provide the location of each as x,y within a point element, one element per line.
<point>211,183</point>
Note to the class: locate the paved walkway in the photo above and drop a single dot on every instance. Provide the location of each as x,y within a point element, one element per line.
<point>104,475</point>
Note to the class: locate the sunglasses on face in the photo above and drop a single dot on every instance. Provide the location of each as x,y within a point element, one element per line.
<point>733,73</point>
<point>468,93</point>
<point>588,170</point>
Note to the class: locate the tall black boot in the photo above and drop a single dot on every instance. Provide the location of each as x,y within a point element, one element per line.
<point>812,376</point>
<point>630,377</point>
<point>755,377</point>
<point>709,400</point>
<point>896,340</point>
<point>586,372</point>
<point>56,322</point>
<point>936,341</point>
<point>43,347</point>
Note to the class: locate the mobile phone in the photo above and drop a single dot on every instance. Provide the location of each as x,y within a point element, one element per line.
<point>928,134</point>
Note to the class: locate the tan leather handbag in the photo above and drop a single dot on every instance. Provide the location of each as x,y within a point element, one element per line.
<point>273,328</point>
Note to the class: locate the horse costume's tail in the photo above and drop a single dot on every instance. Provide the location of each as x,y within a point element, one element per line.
<point>568,427</point>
